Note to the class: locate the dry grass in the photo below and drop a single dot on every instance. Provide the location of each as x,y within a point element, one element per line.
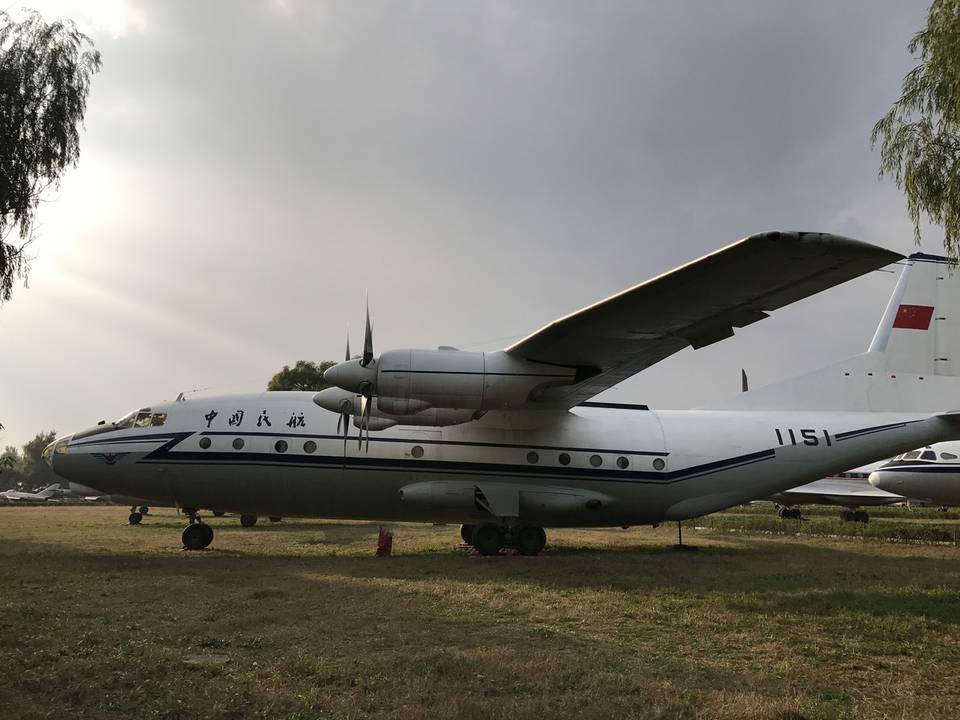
<point>299,620</point>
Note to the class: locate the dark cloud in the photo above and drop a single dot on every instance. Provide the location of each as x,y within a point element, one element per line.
<point>249,170</point>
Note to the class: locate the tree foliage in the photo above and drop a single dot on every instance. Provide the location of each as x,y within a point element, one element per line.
<point>305,375</point>
<point>24,468</point>
<point>45,71</point>
<point>920,135</point>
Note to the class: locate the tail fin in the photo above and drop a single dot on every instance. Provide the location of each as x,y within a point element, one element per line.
<point>912,364</point>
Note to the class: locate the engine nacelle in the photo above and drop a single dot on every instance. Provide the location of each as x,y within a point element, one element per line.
<point>342,401</point>
<point>462,380</point>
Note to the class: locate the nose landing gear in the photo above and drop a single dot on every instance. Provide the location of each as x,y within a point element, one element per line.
<point>196,535</point>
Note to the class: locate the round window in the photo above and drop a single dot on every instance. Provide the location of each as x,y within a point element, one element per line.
<point>280,446</point>
<point>659,464</point>
<point>416,451</point>
<point>310,447</point>
<point>596,460</point>
<point>204,442</point>
<point>238,444</point>
<point>623,463</point>
<point>564,459</point>
<point>533,457</point>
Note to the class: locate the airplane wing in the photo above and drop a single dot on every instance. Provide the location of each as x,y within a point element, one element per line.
<point>696,305</point>
<point>846,492</point>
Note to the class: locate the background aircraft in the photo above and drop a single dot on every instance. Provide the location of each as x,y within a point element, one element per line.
<point>931,474</point>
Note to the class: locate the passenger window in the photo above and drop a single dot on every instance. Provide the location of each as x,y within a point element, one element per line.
<point>158,419</point>
<point>143,419</point>
<point>928,455</point>
<point>948,456</point>
<point>912,455</point>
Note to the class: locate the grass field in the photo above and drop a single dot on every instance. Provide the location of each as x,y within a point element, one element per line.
<point>299,620</point>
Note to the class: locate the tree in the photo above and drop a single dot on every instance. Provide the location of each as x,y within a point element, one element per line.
<point>305,375</point>
<point>45,71</point>
<point>920,135</point>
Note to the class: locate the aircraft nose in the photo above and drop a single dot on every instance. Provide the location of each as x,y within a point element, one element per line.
<point>883,480</point>
<point>57,447</point>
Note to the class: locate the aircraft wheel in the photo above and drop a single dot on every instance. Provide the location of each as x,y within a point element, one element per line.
<point>466,533</point>
<point>487,539</point>
<point>248,520</point>
<point>846,515</point>
<point>135,518</point>
<point>530,540</point>
<point>795,514</point>
<point>144,510</point>
<point>218,513</point>
<point>861,516</point>
<point>197,536</point>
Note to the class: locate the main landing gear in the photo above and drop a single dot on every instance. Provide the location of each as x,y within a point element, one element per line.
<point>860,516</point>
<point>248,520</point>
<point>491,538</point>
<point>788,513</point>
<point>197,535</point>
<point>136,514</point>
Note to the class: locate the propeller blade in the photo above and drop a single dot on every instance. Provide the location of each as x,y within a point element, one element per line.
<point>348,346</point>
<point>367,340</point>
<point>367,409</point>
<point>363,414</point>
<point>744,385</point>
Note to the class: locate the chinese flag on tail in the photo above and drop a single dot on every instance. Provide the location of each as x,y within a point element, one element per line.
<point>913,317</point>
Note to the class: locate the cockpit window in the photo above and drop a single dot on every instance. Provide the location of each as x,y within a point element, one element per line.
<point>143,419</point>
<point>125,422</point>
<point>948,456</point>
<point>928,455</point>
<point>912,455</point>
<point>158,419</point>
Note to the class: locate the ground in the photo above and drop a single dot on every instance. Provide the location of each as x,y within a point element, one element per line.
<point>299,620</point>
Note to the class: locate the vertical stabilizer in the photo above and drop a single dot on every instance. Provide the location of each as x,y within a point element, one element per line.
<point>912,364</point>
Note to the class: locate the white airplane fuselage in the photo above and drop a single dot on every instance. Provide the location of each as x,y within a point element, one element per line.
<point>594,466</point>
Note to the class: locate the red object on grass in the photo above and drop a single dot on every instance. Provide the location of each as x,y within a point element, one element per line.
<point>384,543</point>
<point>913,317</point>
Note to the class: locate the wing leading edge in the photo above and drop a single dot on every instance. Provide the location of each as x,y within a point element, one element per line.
<point>697,304</point>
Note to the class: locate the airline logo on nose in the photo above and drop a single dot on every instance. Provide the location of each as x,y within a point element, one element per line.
<point>913,317</point>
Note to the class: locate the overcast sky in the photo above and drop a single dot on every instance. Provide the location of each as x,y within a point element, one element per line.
<point>250,169</point>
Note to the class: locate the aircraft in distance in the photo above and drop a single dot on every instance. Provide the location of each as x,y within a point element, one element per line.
<point>850,490</point>
<point>508,442</point>
<point>50,492</point>
<point>931,474</point>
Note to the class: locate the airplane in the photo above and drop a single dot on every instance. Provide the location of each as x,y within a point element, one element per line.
<point>851,490</point>
<point>508,442</point>
<point>50,492</point>
<point>930,474</point>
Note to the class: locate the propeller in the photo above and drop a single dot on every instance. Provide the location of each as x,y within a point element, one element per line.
<point>345,407</point>
<point>367,341</point>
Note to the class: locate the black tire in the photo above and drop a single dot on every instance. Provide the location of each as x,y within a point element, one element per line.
<point>197,536</point>
<point>144,510</point>
<point>861,516</point>
<point>846,515</point>
<point>530,540</point>
<point>466,533</point>
<point>487,539</point>
<point>248,520</point>
<point>218,513</point>
<point>135,518</point>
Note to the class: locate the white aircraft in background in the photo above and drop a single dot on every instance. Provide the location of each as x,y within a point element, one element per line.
<point>850,490</point>
<point>507,442</point>
<point>50,492</point>
<point>931,474</point>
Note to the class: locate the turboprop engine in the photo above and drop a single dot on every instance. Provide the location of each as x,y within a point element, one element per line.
<point>408,382</point>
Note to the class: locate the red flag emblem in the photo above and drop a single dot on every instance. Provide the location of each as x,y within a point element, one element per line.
<point>913,317</point>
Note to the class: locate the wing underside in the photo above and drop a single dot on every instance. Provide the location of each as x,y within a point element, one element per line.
<point>696,305</point>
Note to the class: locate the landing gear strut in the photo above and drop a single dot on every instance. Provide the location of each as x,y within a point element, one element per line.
<point>196,535</point>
